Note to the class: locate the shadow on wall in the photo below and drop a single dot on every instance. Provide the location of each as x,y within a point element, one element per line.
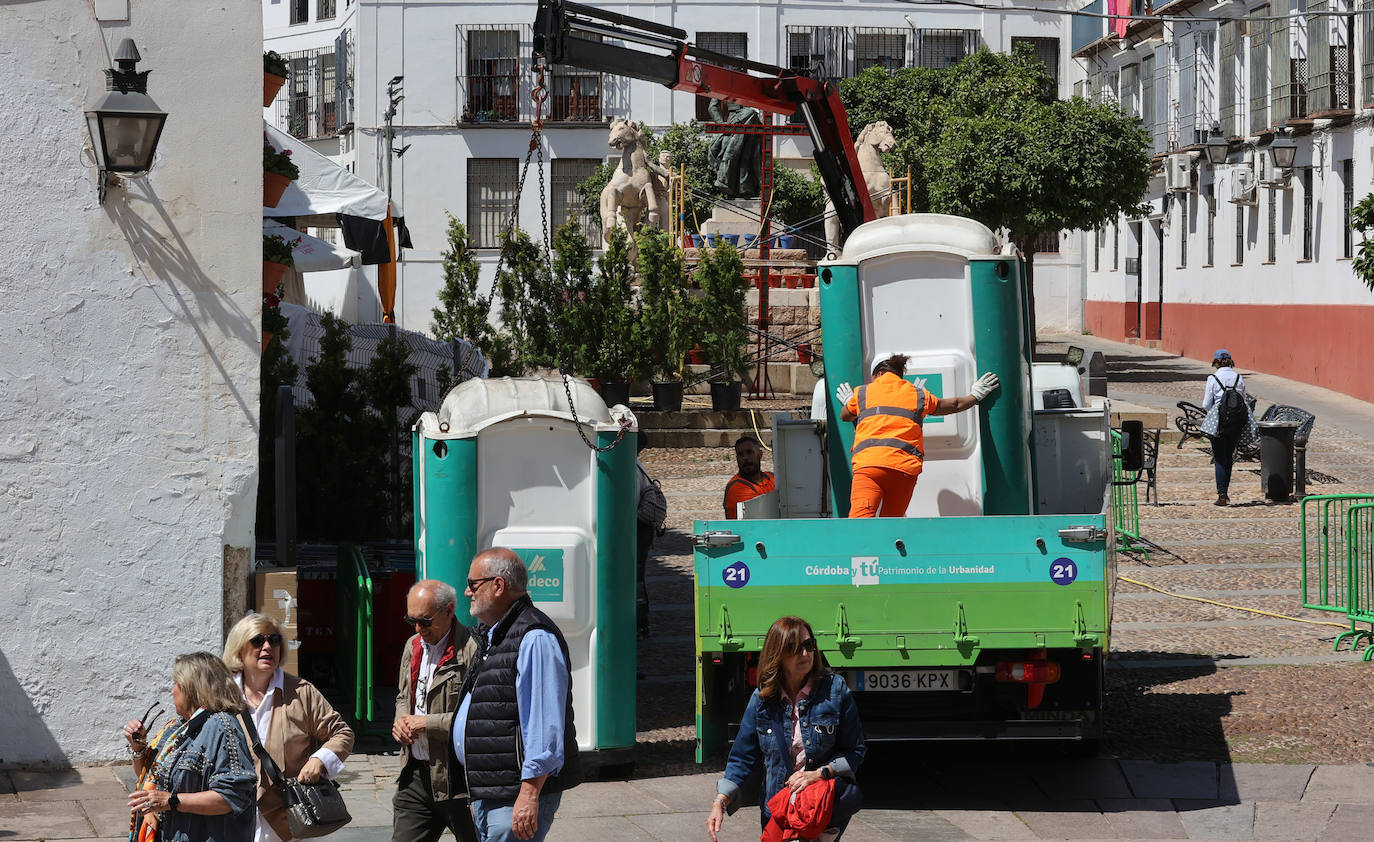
<point>24,738</point>
<point>164,255</point>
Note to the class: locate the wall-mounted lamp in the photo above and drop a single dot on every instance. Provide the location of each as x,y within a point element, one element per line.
<point>1282,150</point>
<point>125,124</point>
<point>1218,147</point>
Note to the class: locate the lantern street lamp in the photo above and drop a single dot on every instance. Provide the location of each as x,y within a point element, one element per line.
<point>125,124</point>
<point>1218,147</point>
<point>1282,150</point>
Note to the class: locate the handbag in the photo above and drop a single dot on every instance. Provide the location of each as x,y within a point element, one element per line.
<point>312,809</point>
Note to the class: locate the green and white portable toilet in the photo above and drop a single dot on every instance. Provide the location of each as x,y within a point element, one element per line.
<point>502,464</point>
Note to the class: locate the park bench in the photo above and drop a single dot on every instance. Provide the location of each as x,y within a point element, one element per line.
<point>1190,422</point>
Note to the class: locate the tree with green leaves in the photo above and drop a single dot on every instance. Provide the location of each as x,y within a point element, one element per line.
<point>577,320</point>
<point>668,315</point>
<point>277,369</point>
<point>722,319</point>
<point>987,139</point>
<point>1362,220</point>
<point>386,382</point>
<point>527,306</point>
<point>615,354</point>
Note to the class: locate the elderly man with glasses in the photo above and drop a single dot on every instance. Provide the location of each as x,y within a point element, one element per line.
<point>434,664</point>
<point>513,732</point>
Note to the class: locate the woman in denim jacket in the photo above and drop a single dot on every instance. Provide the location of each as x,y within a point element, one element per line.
<point>202,787</point>
<point>801,724</point>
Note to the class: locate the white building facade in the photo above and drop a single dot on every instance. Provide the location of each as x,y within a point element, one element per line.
<point>1242,255</point>
<point>464,123</point>
<point>129,372</point>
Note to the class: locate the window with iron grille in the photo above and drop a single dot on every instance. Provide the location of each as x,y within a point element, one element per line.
<point>1367,52</point>
<point>491,194</point>
<point>1288,64</point>
<point>576,92</point>
<point>727,44</point>
<point>1130,89</point>
<point>300,11</point>
<point>1347,206</point>
<point>1331,79</point>
<point>491,73</point>
<point>567,174</point>
<point>1211,197</point>
<point>1185,228</point>
<point>1110,83</point>
<point>309,110</point>
<point>1165,128</point>
<point>944,47</point>
<point>818,50</point>
<point>1306,213</point>
<point>1116,245</point>
<point>325,10</point>
<point>1229,56</point>
<point>1097,248</point>
<point>879,46</point>
<point>1147,96</point>
<point>1273,252</point>
<point>1240,234</point>
<point>1046,52</point>
<point>1197,86</point>
<point>1259,69</point>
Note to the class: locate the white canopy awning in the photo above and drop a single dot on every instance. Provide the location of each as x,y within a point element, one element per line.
<point>311,253</point>
<point>323,186</point>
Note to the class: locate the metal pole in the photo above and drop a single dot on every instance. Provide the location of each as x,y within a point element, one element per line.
<point>284,426</point>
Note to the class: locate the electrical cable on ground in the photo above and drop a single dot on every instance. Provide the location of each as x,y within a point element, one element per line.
<point>1233,607</point>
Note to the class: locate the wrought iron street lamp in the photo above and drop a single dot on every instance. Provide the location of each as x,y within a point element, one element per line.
<point>125,124</point>
<point>1282,150</point>
<point>1218,147</point>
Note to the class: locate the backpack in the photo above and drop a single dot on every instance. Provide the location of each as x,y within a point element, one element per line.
<point>653,506</point>
<point>1232,413</point>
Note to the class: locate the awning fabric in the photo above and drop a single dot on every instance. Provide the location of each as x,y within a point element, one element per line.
<point>323,186</point>
<point>311,253</point>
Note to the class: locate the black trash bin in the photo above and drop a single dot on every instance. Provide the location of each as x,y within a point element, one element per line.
<point>1276,459</point>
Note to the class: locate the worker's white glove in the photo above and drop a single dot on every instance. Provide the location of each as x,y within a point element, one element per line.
<point>843,393</point>
<point>984,387</point>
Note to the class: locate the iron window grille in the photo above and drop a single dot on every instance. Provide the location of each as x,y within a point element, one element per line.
<point>1098,235</point>
<point>1240,234</point>
<point>1185,228</point>
<point>1288,63</point>
<point>1211,197</point>
<point>309,110</point>
<point>1165,127</point>
<point>1347,207</point>
<point>491,192</point>
<point>343,78</point>
<point>493,85</point>
<point>1307,213</point>
<point>1046,52</point>
<point>880,46</point>
<point>1197,86</point>
<point>1230,57</point>
<point>1259,70</point>
<point>822,51</point>
<point>1331,78</point>
<point>1130,90</point>
<point>567,204</point>
<point>300,11</point>
<point>576,92</point>
<point>1272,253</point>
<point>1148,92</point>
<point>728,44</point>
<point>1367,52</point>
<point>325,9</point>
<point>944,47</point>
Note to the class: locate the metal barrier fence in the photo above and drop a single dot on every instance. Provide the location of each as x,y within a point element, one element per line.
<point>1359,550</point>
<point>354,654</point>
<point>1125,506</point>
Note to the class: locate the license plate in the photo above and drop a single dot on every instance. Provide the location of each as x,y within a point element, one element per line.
<point>870,681</point>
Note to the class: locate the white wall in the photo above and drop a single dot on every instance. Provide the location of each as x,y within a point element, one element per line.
<point>129,373</point>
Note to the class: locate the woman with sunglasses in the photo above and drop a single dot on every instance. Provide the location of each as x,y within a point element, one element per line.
<point>301,731</point>
<point>801,725</point>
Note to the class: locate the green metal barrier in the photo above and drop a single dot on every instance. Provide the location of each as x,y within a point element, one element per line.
<point>1322,522</point>
<point>353,657</point>
<point>1359,549</point>
<point>1125,506</point>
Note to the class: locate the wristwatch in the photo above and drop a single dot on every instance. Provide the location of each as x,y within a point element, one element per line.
<point>827,773</point>
<point>173,801</point>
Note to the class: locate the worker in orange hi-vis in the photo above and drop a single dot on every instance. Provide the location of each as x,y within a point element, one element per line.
<point>888,446</point>
<point>751,481</point>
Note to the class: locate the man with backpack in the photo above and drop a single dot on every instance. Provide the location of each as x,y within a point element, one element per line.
<point>1225,393</point>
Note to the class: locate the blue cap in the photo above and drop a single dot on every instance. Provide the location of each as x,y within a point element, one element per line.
<point>1221,352</point>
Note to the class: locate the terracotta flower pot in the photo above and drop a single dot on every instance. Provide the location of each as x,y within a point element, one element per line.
<point>594,382</point>
<point>273,185</point>
<point>804,353</point>
<point>271,83</point>
<point>792,281</point>
<point>271,275</point>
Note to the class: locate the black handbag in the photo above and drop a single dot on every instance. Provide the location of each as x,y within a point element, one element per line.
<point>312,810</point>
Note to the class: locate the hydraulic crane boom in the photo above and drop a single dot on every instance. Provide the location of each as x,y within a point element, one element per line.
<point>561,31</point>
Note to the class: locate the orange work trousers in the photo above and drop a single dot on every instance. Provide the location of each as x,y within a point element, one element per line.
<point>874,488</point>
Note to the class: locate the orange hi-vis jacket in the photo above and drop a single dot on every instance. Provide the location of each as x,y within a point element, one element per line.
<point>889,412</point>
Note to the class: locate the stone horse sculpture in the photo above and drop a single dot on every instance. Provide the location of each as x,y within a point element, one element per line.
<point>873,141</point>
<point>638,190</point>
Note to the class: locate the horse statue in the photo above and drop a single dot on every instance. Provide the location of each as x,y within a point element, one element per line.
<point>873,141</point>
<point>638,190</point>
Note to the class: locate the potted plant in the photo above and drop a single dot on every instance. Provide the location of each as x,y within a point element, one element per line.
<point>614,350</point>
<point>274,72</point>
<point>276,259</point>
<point>721,274</point>
<point>278,171</point>
<point>666,316</point>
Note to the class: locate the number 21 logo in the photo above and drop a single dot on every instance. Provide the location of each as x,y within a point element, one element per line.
<point>736,575</point>
<point>1063,571</point>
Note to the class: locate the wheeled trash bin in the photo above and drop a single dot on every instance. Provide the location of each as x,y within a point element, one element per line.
<point>1276,459</point>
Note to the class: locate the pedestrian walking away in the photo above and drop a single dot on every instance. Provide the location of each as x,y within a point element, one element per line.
<point>430,794</point>
<point>888,451</point>
<point>651,512</point>
<point>802,730</point>
<point>299,729</point>
<point>1229,422</point>
<point>750,480</point>
<point>513,732</point>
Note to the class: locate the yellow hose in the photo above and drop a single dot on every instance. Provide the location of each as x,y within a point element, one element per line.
<point>753,416</point>
<point>1234,607</point>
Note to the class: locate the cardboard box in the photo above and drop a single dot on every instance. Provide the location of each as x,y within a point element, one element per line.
<point>290,656</point>
<point>275,594</point>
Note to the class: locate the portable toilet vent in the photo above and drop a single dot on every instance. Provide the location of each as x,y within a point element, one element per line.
<point>502,464</point>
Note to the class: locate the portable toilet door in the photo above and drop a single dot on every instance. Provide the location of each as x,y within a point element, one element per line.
<point>502,465</point>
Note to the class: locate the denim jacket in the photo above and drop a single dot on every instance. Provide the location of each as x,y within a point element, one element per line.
<point>216,758</point>
<point>831,734</point>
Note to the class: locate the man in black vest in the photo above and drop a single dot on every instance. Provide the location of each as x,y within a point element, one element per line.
<point>522,677</point>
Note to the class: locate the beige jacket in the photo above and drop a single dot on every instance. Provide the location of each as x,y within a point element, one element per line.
<point>443,699</point>
<point>302,722</point>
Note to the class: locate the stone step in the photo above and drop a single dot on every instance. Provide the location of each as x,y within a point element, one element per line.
<point>705,437</point>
